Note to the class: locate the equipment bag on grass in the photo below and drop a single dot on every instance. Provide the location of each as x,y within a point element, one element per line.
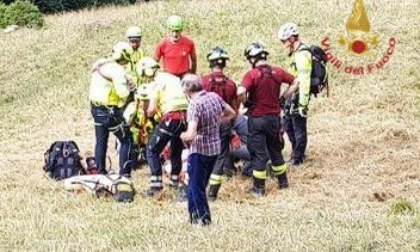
<point>62,160</point>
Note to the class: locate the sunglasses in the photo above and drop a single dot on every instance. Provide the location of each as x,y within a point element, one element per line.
<point>176,31</point>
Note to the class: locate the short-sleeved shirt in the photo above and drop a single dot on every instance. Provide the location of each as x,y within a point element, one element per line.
<point>176,56</point>
<point>206,109</point>
<point>264,92</point>
<point>218,83</point>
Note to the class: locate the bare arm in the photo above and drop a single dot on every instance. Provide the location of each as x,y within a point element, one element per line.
<point>228,114</point>
<point>241,92</point>
<point>194,63</point>
<point>291,89</point>
<point>191,132</point>
<point>151,108</point>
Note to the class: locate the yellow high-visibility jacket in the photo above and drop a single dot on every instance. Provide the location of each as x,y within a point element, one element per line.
<point>108,85</point>
<point>301,68</point>
<point>168,93</point>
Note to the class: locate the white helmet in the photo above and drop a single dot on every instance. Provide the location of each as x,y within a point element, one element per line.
<point>143,92</point>
<point>133,32</point>
<point>287,30</point>
<point>147,66</point>
<point>121,50</point>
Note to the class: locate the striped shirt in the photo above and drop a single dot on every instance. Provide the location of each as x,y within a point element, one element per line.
<point>206,109</point>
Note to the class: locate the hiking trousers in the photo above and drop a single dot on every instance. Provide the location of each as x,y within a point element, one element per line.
<point>110,119</point>
<point>296,129</point>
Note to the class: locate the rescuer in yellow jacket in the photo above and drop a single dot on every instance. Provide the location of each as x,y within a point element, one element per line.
<point>134,35</point>
<point>296,108</point>
<point>108,92</point>
<point>169,97</point>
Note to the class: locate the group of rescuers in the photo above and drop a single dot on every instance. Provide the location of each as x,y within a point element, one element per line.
<point>146,107</point>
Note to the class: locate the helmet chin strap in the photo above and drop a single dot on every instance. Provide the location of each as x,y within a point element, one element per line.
<point>252,62</point>
<point>292,45</point>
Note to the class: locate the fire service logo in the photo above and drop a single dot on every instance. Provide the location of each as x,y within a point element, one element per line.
<point>359,42</point>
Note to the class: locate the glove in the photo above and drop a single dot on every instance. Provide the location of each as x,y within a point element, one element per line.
<point>282,102</point>
<point>303,111</point>
<point>247,104</point>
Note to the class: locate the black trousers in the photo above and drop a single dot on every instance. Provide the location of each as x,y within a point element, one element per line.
<point>216,175</point>
<point>166,131</point>
<point>295,127</point>
<point>111,120</point>
<point>263,135</point>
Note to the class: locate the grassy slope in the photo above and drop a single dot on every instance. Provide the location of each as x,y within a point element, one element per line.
<point>363,140</point>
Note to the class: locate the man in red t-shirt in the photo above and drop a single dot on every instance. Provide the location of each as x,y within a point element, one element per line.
<point>177,51</point>
<point>262,84</point>
<point>218,83</point>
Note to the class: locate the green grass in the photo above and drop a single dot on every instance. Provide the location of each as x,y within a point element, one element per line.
<point>362,154</point>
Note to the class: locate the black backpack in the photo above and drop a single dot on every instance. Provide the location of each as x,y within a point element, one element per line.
<point>319,74</point>
<point>62,160</point>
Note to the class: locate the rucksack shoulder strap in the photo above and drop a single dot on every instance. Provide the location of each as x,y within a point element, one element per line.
<point>73,143</point>
<point>267,71</point>
<point>303,47</point>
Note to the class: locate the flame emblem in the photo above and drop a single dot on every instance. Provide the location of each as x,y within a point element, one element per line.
<point>359,41</point>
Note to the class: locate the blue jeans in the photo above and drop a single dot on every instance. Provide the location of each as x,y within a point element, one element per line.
<point>107,120</point>
<point>199,170</point>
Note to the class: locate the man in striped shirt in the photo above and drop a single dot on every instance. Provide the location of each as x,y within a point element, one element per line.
<point>205,113</point>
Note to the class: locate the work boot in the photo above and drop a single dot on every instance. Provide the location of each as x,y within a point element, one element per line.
<point>296,162</point>
<point>194,218</point>
<point>205,220</point>
<point>152,191</point>
<point>257,192</point>
<point>174,183</point>
<point>283,183</point>
<point>182,194</point>
<point>213,191</point>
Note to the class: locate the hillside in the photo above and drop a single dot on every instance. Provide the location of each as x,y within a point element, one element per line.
<point>363,159</point>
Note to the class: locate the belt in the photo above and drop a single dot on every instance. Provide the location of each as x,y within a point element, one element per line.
<point>99,105</point>
<point>174,115</point>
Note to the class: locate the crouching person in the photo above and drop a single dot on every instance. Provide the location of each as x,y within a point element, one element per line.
<point>170,98</point>
<point>206,112</point>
